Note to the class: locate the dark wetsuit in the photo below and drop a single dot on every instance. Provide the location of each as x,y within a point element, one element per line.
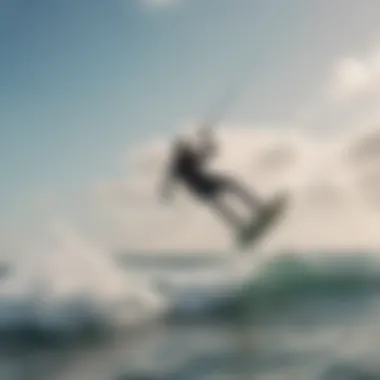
<point>188,167</point>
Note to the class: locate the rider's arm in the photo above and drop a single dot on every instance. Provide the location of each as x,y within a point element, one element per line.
<point>166,189</point>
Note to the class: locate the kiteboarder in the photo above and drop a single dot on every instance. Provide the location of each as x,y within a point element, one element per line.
<point>187,166</point>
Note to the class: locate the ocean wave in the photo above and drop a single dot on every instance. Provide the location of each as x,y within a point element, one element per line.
<point>287,277</point>
<point>245,283</point>
<point>30,318</point>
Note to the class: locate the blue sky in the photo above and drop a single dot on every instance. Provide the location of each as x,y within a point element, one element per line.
<point>84,81</point>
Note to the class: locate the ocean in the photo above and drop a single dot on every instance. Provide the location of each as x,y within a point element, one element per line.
<point>305,315</point>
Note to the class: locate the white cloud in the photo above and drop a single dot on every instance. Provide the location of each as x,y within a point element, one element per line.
<point>335,201</point>
<point>356,76</point>
<point>330,209</point>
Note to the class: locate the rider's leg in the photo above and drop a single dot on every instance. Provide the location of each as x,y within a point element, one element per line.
<point>227,213</point>
<point>251,199</point>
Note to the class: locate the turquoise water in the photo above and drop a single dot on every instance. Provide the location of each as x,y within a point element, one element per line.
<point>295,318</point>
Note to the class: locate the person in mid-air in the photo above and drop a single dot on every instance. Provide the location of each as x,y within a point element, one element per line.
<point>187,165</point>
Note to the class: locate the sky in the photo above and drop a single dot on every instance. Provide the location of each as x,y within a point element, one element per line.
<point>86,82</point>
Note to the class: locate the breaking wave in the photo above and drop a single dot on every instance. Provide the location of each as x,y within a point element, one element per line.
<point>219,292</point>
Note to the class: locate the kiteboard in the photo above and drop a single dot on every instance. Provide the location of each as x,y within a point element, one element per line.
<point>261,223</point>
